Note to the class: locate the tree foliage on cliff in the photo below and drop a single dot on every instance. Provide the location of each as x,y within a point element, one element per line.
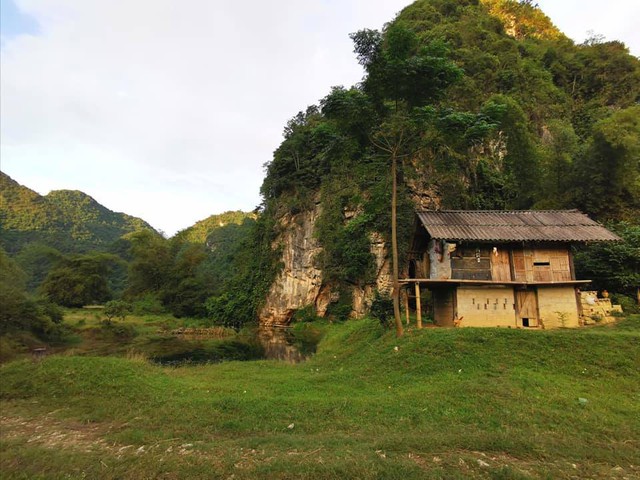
<point>613,266</point>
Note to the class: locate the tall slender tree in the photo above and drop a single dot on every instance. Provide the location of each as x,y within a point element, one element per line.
<point>402,76</point>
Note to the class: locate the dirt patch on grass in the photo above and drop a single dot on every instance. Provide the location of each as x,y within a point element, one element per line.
<point>484,465</point>
<point>51,433</point>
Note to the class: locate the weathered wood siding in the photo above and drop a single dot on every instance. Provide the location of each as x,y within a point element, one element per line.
<point>523,264</point>
<point>471,263</point>
<point>500,265</point>
<point>541,264</point>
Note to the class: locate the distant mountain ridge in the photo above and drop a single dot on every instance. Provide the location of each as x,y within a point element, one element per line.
<point>202,230</point>
<point>68,220</point>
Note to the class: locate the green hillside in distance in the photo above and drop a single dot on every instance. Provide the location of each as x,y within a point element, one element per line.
<point>201,231</point>
<point>68,220</point>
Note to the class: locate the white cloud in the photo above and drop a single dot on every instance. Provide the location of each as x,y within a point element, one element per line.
<point>615,19</point>
<point>168,109</point>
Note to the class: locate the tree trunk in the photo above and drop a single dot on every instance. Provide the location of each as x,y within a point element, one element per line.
<point>394,247</point>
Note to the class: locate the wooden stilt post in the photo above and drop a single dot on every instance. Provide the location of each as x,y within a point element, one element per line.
<point>418,307</point>
<point>406,303</point>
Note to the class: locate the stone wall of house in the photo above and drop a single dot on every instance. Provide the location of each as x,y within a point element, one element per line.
<point>558,307</point>
<point>492,306</point>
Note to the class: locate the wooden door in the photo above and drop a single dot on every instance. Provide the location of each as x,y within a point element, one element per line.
<point>527,308</point>
<point>444,306</point>
<point>523,265</point>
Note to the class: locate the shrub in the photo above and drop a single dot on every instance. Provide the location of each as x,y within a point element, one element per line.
<point>117,308</point>
<point>148,305</point>
<point>121,331</point>
<point>382,309</point>
<point>306,314</point>
<point>628,304</point>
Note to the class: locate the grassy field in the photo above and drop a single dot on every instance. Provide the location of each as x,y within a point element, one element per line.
<point>438,403</point>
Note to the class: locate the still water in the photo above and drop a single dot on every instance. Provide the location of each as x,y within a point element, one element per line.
<point>270,343</point>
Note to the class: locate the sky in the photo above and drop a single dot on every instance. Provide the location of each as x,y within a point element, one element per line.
<point>168,110</point>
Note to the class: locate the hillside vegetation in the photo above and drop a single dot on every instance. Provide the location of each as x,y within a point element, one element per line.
<point>67,220</point>
<point>438,403</point>
<point>201,231</point>
<point>67,249</point>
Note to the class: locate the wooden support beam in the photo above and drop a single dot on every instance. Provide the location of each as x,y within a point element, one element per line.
<point>418,307</point>
<point>406,303</point>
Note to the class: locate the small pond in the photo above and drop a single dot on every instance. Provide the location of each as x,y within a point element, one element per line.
<point>292,345</point>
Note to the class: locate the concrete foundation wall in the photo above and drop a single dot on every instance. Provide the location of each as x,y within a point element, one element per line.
<point>486,307</point>
<point>558,307</point>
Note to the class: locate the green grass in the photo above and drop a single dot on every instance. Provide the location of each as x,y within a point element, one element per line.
<point>448,403</point>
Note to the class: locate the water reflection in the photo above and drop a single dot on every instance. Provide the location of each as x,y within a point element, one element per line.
<point>186,347</point>
<point>279,344</point>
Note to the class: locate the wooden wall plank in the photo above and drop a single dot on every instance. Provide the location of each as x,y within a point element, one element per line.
<point>500,267</point>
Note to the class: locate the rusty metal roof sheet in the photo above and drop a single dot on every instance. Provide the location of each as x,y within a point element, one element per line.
<point>514,225</point>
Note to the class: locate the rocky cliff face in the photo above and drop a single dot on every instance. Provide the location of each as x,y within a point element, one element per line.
<point>300,283</point>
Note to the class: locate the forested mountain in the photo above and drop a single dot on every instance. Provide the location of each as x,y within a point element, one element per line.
<point>70,250</point>
<point>483,104</point>
<point>201,231</point>
<point>67,220</point>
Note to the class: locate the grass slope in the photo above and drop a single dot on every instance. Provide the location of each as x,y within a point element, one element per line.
<point>448,403</point>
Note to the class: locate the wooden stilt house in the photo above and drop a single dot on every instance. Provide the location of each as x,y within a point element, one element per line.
<point>500,268</point>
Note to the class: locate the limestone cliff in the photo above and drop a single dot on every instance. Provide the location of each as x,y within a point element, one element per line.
<point>300,283</point>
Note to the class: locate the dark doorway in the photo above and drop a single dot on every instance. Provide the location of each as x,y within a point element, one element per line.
<point>412,269</point>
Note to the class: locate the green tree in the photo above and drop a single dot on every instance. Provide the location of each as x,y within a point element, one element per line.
<point>36,260</point>
<point>20,312</point>
<point>560,148</point>
<point>521,162</point>
<point>607,178</point>
<point>80,280</point>
<point>149,269</point>
<point>188,282</point>
<point>411,75</point>
<point>613,266</point>
<point>117,309</point>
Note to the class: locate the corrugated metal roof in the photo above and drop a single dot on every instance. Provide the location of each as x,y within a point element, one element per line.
<point>514,225</point>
